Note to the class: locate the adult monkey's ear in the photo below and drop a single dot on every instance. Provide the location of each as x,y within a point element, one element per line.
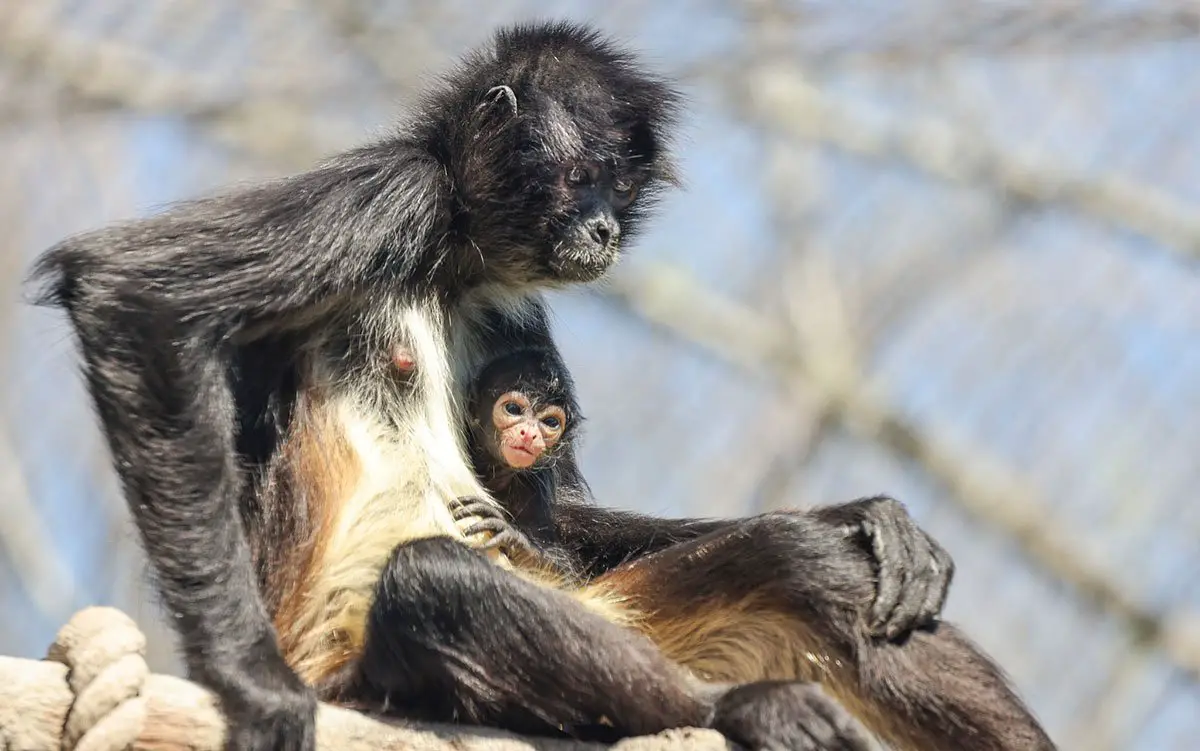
<point>498,94</point>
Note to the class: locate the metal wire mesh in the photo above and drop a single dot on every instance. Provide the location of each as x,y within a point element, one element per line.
<point>946,251</point>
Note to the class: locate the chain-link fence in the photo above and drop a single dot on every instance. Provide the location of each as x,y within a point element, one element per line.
<point>942,250</point>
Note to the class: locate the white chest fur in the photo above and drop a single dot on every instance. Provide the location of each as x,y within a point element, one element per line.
<point>410,443</point>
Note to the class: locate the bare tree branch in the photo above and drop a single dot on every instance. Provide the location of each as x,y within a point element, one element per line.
<point>100,72</point>
<point>781,97</point>
<point>935,30</point>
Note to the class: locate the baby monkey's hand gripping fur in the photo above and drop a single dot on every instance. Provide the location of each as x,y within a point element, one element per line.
<point>488,528</point>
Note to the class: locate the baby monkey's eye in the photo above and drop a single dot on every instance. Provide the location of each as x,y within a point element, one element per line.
<point>513,409</point>
<point>552,422</point>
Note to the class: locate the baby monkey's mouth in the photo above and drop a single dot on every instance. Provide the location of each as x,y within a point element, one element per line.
<point>519,457</point>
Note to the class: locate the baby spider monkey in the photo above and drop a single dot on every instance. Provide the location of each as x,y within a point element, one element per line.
<point>522,416</point>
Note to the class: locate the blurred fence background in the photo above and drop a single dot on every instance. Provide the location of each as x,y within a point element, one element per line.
<point>943,250</point>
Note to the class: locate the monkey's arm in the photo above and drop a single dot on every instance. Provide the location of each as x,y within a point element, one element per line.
<point>912,573</point>
<point>599,539</point>
<point>157,307</point>
<point>265,258</point>
<point>452,637</point>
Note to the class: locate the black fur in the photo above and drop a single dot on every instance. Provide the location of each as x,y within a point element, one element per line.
<point>553,668</point>
<point>929,688</point>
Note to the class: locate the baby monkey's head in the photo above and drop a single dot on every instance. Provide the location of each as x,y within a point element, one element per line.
<point>522,410</point>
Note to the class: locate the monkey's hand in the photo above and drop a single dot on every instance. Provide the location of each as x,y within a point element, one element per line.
<point>475,516</point>
<point>914,572</point>
<point>267,706</point>
<point>778,715</point>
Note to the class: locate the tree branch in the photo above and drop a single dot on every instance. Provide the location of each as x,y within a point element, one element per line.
<point>781,98</point>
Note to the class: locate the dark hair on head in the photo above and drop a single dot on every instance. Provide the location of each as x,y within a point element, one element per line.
<point>540,372</point>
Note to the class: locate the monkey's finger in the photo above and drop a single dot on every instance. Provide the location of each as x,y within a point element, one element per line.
<point>461,508</point>
<point>515,544</point>
<point>887,549</point>
<point>502,538</point>
<point>823,725</point>
<point>916,575</point>
<point>468,512</point>
<point>941,574</point>
<point>822,735</point>
<point>907,614</point>
<point>495,526</point>
<point>838,730</point>
<point>478,535</point>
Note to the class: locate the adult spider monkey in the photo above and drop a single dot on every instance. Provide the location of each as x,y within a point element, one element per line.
<point>292,494</point>
<point>931,690</point>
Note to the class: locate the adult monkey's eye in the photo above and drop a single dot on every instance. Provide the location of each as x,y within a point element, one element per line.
<point>578,176</point>
<point>513,409</point>
<point>624,191</point>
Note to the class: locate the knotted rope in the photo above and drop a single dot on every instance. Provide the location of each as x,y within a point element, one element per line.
<point>105,656</point>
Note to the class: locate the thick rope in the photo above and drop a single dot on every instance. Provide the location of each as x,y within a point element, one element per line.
<point>109,702</point>
<point>105,656</point>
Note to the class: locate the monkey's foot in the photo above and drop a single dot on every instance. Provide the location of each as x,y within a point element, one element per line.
<point>771,715</point>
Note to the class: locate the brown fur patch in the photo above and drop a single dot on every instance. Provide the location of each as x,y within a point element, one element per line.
<point>317,471</point>
<point>602,599</point>
<point>745,640</point>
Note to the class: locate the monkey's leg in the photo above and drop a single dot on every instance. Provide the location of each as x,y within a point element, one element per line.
<point>600,538</point>
<point>913,572</point>
<point>779,597</point>
<point>164,399</point>
<point>452,637</point>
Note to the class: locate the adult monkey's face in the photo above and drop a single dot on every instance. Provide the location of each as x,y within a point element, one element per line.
<point>567,154</point>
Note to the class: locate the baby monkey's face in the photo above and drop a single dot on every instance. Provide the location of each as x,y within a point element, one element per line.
<point>526,430</point>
